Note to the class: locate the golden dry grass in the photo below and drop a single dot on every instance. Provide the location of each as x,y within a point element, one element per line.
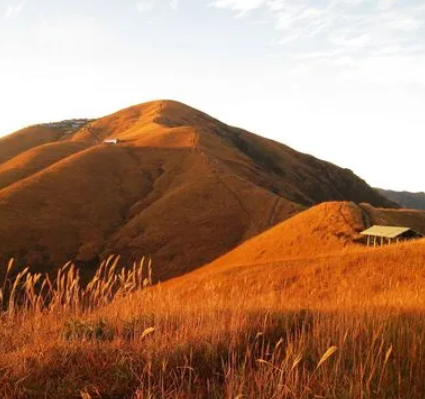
<point>25,139</point>
<point>36,159</point>
<point>301,311</point>
<point>320,230</point>
<point>348,325</point>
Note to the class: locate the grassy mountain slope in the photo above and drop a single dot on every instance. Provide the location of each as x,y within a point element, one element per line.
<point>323,229</point>
<point>25,139</point>
<point>315,260</point>
<point>35,160</point>
<point>181,187</point>
<point>327,229</point>
<point>148,201</point>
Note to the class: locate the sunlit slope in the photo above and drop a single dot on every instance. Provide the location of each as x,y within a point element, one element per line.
<point>180,186</point>
<point>273,166</point>
<point>36,159</point>
<point>51,213</point>
<point>320,230</point>
<point>133,201</point>
<point>147,125</point>
<point>328,228</point>
<point>298,177</point>
<point>25,139</point>
<point>383,276</point>
<point>316,259</point>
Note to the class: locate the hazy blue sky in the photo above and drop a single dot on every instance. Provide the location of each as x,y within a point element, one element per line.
<point>343,80</point>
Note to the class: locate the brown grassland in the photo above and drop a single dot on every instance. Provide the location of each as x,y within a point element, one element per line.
<point>181,187</point>
<point>267,295</point>
<point>347,324</point>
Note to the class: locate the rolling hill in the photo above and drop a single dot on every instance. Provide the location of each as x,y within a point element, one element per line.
<point>180,186</point>
<point>327,229</point>
<point>320,230</point>
<point>405,199</point>
<point>317,259</point>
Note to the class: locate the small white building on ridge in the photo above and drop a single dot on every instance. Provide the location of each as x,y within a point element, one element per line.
<point>112,141</point>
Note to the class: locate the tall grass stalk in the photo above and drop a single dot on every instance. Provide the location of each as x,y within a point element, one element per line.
<point>35,292</point>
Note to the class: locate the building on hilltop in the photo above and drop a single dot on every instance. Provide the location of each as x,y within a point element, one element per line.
<point>112,141</point>
<point>380,235</point>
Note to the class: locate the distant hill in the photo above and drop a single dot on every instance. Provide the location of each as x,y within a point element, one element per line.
<point>405,199</point>
<point>180,186</point>
<point>413,218</point>
<point>325,229</point>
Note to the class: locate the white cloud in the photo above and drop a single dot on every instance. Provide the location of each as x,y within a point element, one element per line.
<point>288,39</point>
<point>343,39</point>
<point>379,20</point>
<point>14,9</point>
<point>145,6</point>
<point>391,69</point>
<point>354,2</point>
<point>318,55</point>
<point>405,24</point>
<point>356,38</point>
<point>386,4</point>
<point>238,5</point>
<point>390,50</point>
<point>258,22</point>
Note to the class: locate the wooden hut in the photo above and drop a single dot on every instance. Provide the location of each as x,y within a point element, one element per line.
<point>380,235</point>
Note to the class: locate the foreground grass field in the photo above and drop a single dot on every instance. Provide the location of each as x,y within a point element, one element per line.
<point>348,325</point>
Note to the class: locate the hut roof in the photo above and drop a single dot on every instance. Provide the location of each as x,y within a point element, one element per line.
<point>387,231</point>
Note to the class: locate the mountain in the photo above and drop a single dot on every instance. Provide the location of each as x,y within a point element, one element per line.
<point>325,239</point>
<point>405,199</point>
<point>180,186</point>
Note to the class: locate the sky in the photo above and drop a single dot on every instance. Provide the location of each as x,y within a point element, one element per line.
<point>341,80</point>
